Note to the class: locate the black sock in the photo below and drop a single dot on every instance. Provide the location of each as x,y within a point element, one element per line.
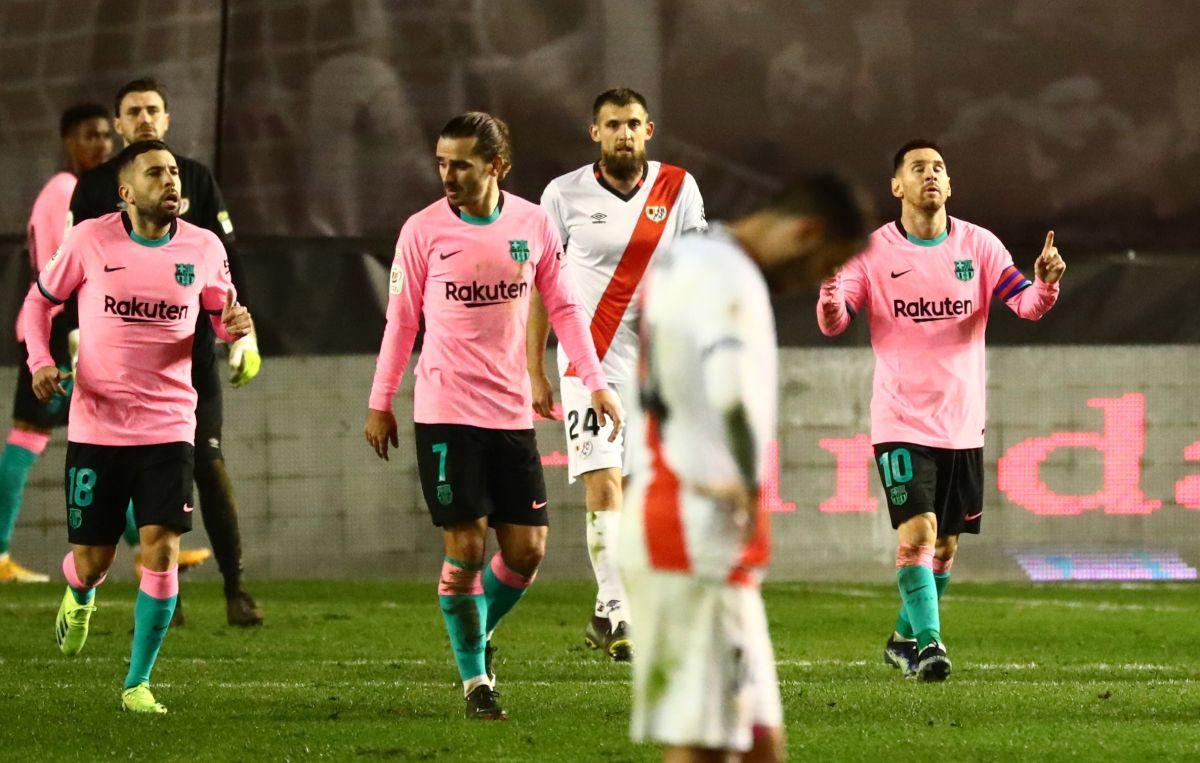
<point>219,512</point>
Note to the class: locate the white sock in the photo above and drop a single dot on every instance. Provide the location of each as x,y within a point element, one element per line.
<point>474,682</point>
<point>616,615</point>
<point>602,550</point>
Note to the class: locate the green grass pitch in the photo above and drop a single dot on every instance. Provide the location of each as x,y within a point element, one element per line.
<point>362,670</point>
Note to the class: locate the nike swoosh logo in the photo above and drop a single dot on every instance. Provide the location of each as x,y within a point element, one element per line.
<point>448,256</point>
<point>897,275</point>
<point>541,505</point>
<point>972,517</point>
<point>107,269</point>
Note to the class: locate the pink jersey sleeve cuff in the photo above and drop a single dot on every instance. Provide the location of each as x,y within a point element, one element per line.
<point>381,399</point>
<point>595,381</point>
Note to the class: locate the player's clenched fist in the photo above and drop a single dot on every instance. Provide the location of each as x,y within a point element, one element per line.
<point>380,429</point>
<point>235,317</point>
<point>1049,266</point>
<point>47,381</point>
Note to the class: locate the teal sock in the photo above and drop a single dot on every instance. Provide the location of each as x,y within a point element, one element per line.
<point>15,463</point>
<point>132,537</point>
<point>82,597</point>
<point>151,618</point>
<point>502,588</point>
<point>919,592</point>
<point>903,626</point>
<point>465,614</point>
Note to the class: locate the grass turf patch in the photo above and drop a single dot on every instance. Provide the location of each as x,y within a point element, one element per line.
<point>363,670</point>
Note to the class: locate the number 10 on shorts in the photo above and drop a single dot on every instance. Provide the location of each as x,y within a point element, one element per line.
<point>897,470</point>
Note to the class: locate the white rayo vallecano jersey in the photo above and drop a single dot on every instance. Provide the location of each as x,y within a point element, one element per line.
<point>707,345</point>
<point>611,239</point>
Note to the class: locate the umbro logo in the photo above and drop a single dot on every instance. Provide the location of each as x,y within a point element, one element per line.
<point>599,218</point>
<point>902,272</point>
<point>107,269</point>
<point>448,256</point>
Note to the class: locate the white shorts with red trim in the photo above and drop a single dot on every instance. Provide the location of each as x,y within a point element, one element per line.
<point>588,448</point>
<point>704,670</point>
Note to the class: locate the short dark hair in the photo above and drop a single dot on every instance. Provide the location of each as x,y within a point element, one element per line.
<point>841,206</point>
<point>490,134</point>
<point>141,85</point>
<point>618,96</point>
<point>134,150</point>
<point>913,145</point>
<point>79,113</point>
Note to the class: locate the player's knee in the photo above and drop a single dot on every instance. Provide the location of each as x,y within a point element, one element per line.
<point>920,530</point>
<point>465,543</point>
<point>526,558</point>
<point>602,489</point>
<point>160,547</point>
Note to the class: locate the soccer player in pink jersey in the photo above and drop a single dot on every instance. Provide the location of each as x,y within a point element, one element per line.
<point>467,265</point>
<point>614,216</point>
<point>86,134</point>
<point>140,277</point>
<point>928,281</point>
<point>695,537</point>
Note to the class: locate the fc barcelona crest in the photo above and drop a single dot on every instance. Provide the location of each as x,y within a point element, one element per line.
<point>656,213</point>
<point>185,273</point>
<point>445,495</point>
<point>518,249</point>
<point>899,495</point>
<point>964,270</point>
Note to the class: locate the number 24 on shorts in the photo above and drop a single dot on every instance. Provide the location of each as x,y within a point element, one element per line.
<point>591,422</point>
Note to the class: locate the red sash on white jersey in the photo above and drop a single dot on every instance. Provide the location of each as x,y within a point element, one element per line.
<point>647,232</point>
<point>662,516</point>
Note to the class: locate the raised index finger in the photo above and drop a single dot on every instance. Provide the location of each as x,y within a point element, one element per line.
<point>1049,241</point>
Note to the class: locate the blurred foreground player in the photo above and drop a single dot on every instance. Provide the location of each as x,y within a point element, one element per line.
<point>928,281</point>
<point>467,264</point>
<point>139,277</point>
<point>142,115</point>
<point>86,134</point>
<point>613,216</point>
<point>695,538</point>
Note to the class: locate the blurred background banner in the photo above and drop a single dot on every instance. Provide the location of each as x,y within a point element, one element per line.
<point>320,114</point>
<point>319,117</point>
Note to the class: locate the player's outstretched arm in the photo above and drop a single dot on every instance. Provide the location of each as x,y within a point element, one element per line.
<point>537,332</point>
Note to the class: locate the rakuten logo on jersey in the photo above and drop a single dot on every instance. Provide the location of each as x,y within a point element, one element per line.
<point>477,294</point>
<point>924,310</point>
<point>134,310</point>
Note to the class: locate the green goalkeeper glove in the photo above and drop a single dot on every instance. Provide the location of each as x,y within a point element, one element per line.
<point>244,360</point>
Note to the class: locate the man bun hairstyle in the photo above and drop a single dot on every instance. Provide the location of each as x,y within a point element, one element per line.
<point>490,134</point>
<point>78,114</point>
